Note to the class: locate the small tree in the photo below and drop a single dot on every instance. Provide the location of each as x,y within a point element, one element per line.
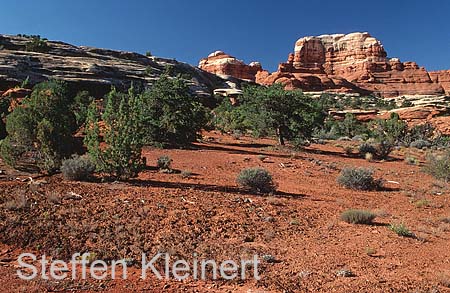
<point>290,115</point>
<point>80,106</point>
<point>41,129</point>
<point>121,156</point>
<point>388,133</point>
<point>172,116</point>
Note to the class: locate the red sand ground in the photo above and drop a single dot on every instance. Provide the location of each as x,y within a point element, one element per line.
<point>208,214</point>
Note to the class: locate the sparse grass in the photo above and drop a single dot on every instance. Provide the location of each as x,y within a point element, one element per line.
<point>401,230</point>
<point>370,251</point>
<point>262,157</point>
<point>422,203</point>
<point>256,179</point>
<point>186,174</point>
<point>358,179</point>
<point>358,217</point>
<point>368,157</point>
<point>439,166</point>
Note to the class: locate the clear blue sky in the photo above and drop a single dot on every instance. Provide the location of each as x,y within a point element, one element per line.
<point>252,30</point>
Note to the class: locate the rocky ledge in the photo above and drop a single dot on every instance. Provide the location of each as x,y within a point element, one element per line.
<point>93,69</point>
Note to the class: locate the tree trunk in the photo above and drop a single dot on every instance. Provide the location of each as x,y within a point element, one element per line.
<point>280,136</point>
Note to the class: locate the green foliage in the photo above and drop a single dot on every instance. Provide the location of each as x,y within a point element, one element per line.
<point>422,132</point>
<point>41,129</point>
<point>358,217</point>
<point>148,54</point>
<point>439,166</point>
<point>172,116</point>
<point>388,133</point>
<point>80,107</point>
<point>272,110</point>
<point>256,179</point>
<point>366,148</point>
<point>121,156</point>
<point>359,179</point>
<point>4,111</point>
<point>77,168</point>
<point>37,44</point>
<point>164,163</point>
<point>401,230</point>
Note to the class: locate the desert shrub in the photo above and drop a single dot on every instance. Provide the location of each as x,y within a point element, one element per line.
<point>411,160</point>
<point>148,54</point>
<point>77,168</point>
<point>41,130</point>
<point>358,178</point>
<point>438,166</point>
<point>401,230</point>
<point>37,44</point>
<point>388,133</point>
<point>358,216</point>
<point>164,163</point>
<point>420,144</point>
<point>442,141</point>
<point>348,150</point>
<point>256,179</point>
<point>172,116</point>
<point>366,148</point>
<point>120,156</point>
<point>368,157</point>
<point>421,132</point>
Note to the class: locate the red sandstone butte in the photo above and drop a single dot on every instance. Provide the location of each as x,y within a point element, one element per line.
<point>355,62</point>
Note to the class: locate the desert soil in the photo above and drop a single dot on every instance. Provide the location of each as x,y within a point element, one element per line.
<point>207,213</point>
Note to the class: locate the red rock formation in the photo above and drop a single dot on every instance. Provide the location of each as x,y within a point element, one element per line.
<point>355,62</point>
<point>223,64</point>
<point>443,78</point>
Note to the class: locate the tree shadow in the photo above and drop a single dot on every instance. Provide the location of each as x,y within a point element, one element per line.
<point>208,187</point>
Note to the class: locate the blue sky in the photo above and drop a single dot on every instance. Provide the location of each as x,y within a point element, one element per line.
<point>252,30</point>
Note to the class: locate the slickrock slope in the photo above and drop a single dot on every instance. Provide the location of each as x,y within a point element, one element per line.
<point>225,65</point>
<point>355,62</point>
<point>92,69</point>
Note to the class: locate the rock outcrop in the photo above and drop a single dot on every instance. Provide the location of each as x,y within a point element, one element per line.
<point>93,69</point>
<point>443,78</point>
<point>225,65</point>
<point>352,63</point>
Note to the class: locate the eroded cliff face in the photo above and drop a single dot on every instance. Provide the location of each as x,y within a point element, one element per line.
<point>226,65</point>
<point>355,62</point>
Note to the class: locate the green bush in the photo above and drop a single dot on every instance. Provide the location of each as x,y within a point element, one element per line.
<point>256,179</point>
<point>41,130</point>
<point>77,168</point>
<point>439,166</point>
<point>172,116</point>
<point>80,107</point>
<point>121,154</point>
<point>359,179</point>
<point>388,133</point>
<point>164,163</point>
<point>401,230</point>
<point>37,44</point>
<point>358,216</point>
<point>365,148</point>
